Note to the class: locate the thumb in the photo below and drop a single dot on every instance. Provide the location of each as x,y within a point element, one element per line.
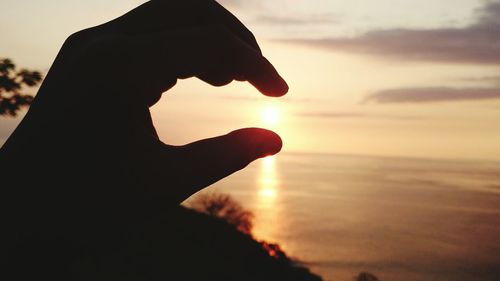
<point>205,162</point>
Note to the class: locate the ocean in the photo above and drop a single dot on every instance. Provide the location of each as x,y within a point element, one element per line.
<point>400,219</point>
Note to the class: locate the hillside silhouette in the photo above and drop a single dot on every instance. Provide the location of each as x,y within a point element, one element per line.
<point>187,245</point>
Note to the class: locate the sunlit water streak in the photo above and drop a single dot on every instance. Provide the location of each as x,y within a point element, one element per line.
<point>266,201</point>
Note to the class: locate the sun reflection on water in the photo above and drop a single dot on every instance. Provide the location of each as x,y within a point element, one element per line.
<point>267,181</point>
<point>267,200</point>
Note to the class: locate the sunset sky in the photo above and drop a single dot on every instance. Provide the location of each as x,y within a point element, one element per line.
<point>388,77</point>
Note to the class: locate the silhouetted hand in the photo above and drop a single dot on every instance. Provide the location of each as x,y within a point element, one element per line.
<point>95,161</point>
<point>100,87</point>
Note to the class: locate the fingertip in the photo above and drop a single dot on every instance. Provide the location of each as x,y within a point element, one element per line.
<point>269,82</point>
<point>215,158</point>
<point>271,144</point>
<point>259,142</point>
<point>275,87</point>
<point>281,87</point>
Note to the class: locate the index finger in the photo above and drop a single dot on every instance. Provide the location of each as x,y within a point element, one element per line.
<point>195,52</point>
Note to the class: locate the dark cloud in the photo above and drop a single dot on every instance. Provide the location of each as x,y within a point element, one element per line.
<point>478,43</point>
<point>358,115</point>
<point>433,94</point>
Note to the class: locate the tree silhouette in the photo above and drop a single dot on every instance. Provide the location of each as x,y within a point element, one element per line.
<point>365,276</point>
<point>224,207</point>
<point>11,84</point>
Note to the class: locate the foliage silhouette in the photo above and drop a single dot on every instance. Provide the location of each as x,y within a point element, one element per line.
<point>11,84</point>
<point>365,276</point>
<point>226,208</point>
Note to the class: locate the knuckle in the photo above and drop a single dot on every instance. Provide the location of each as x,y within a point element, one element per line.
<point>80,37</point>
<point>74,38</point>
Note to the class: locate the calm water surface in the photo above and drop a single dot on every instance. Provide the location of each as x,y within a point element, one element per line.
<point>401,219</point>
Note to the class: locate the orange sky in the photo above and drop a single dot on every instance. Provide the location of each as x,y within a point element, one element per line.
<point>387,92</point>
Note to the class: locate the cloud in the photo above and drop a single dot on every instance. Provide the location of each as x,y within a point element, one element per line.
<point>478,43</point>
<point>489,78</point>
<point>264,14</point>
<point>259,98</point>
<point>358,115</point>
<point>240,3</point>
<point>296,20</point>
<point>243,6</point>
<point>433,94</point>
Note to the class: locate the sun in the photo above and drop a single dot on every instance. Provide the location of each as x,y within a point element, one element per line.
<point>270,115</point>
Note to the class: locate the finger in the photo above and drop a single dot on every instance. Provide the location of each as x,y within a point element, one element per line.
<point>212,53</point>
<point>159,16</point>
<point>208,161</point>
<point>263,76</point>
<point>169,175</point>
